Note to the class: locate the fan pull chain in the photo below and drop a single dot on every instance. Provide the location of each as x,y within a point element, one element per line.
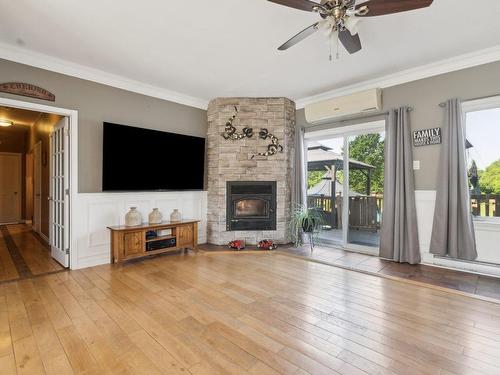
<point>337,52</point>
<point>331,48</point>
<point>337,41</point>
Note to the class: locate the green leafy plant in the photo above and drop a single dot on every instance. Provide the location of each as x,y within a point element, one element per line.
<point>305,221</point>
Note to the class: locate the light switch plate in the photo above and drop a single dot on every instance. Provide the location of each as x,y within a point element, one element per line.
<point>416,165</point>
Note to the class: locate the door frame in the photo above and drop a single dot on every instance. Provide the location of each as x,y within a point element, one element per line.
<point>37,215</point>
<point>73,160</point>
<point>20,183</point>
<point>373,126</point>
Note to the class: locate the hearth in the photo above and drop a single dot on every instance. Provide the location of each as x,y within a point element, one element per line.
<point>251,205</point>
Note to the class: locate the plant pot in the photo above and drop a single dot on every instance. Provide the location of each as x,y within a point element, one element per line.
<point>308,226</point>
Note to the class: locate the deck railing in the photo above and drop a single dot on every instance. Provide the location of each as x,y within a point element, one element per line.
<point>487,205</point>
<point>365,212</point>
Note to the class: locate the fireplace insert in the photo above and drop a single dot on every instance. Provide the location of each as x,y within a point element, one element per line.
<point>251,205</point>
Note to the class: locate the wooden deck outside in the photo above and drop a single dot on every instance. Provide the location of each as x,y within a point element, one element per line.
<point>365,212</point>
<point>487,205</point>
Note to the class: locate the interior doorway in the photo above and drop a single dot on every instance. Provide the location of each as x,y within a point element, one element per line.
<point>36,231</point>
<point>10,187</point>
<point>346,181</point>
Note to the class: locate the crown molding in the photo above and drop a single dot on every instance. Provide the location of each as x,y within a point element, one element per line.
<point>468,60</point>
<point>42,61</point>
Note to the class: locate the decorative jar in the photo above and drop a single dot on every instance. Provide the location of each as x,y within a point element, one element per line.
<point>133,217</point>
<point>155,217</point>
<point>175,215</point>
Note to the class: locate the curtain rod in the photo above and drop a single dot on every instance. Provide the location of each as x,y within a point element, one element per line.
<point>443,104</point>
<point>349,119</point>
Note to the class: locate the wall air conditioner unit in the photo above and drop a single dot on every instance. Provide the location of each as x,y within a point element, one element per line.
<point>355,104</point>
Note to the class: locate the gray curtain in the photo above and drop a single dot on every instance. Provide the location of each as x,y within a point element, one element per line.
<point>299,173</point>
<point>453,229</point>
<point>399,232</point>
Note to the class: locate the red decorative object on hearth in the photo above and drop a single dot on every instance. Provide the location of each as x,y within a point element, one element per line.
<point>267,245</point>
<point>237,244</point>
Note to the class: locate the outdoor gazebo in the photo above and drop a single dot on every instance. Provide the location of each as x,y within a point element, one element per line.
<point>322,158</point>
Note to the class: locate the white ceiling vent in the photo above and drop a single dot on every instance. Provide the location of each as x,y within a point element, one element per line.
<point>332,109</point>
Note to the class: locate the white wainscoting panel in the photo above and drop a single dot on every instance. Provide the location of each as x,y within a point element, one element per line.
<point>96,211</point>
<point>487,239</point>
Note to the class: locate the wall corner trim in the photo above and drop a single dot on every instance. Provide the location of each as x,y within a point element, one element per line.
<point>53,64</point>
<point>460,62</point>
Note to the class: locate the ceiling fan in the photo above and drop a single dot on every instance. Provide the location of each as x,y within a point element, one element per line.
<point>340,17</point>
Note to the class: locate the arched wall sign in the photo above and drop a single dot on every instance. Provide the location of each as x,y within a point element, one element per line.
<point>27,89</point>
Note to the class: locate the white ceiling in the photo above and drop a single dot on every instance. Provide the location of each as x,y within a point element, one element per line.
<point>206,49</point>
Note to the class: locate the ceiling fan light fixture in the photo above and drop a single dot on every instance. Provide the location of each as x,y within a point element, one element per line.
<point>351,24</point>
<point>339,17</point>
<point>5,123</point>
<point>327,27</point>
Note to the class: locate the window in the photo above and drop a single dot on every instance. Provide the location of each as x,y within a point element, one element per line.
<point>482,120</point>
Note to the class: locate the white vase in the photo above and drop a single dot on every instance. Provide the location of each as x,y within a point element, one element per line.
<point>175,215</point>
<point>155,217</point>
<point>133,217</point>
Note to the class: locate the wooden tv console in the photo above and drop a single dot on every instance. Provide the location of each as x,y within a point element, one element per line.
<point>132,242</point>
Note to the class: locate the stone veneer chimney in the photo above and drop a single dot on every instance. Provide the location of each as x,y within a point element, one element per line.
<point>231,160</point>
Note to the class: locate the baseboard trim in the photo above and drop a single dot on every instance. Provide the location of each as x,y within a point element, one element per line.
<point>44,237</point>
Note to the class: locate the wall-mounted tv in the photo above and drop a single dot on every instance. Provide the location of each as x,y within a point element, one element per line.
<point>136,159</point>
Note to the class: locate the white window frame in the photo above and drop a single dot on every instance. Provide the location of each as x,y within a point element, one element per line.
<point>477,105</point>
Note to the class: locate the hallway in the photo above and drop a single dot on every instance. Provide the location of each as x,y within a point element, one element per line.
<point>24,254</point>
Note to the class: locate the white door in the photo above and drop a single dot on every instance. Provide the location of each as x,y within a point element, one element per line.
<point>10,187</point>
<point>37,188</point>
<point>59,192</point>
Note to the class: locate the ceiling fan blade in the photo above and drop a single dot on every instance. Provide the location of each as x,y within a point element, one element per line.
<point>299,37</point>
<point>298,4</point>
<point>381,7</point>
<point>352,43</point>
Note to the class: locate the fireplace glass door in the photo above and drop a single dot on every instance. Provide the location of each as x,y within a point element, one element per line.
<point>251,205</point>
<point>246,208</point>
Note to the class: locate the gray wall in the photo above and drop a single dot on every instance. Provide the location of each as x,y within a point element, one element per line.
<point>424,96</point>
<point>96,103</point>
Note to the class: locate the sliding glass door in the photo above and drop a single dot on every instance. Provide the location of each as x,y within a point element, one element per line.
<point>346,182</point>
<point>366,188</point>
<point>325,190</point>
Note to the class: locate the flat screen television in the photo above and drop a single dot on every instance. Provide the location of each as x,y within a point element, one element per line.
<point>136,159</point>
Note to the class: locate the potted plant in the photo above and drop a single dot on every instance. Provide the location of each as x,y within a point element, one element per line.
<point>305,221</point>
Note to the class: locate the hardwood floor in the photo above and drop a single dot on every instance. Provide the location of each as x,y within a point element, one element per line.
<point>240,313</point>
<point>23,254</point>
<point>479,285</point>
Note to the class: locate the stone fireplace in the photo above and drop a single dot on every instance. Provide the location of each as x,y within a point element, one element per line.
<point>249,197</point>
